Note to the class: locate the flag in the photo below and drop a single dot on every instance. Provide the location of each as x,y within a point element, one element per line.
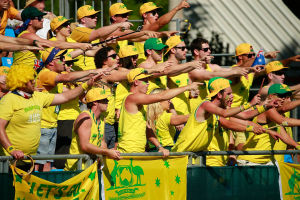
<point>259,59</point>
<point>145,178</point>
<point>289,180</point>
<point>82,186</point>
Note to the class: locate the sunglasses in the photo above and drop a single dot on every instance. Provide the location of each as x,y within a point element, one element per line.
<point>66,24</point>
<point>153,12</point>
<point>285,95</point>
<point>113,56</point>
<point>250,55</point>
<point>159,51</point>
<point>125,15</point>
<point>103,101</point>
<point>135,57</point>
<point>92,16</point>
<point>206,49</point>
<point>182,48</point>
<point>38,18</point>
<point>279,73</point>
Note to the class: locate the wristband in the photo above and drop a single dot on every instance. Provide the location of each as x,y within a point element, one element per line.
<point>249,128</point>
<point>298,147</point>
<point>10,149</point>
<point>247,106</point>
<point>261,109</point>
<point>85,86</point>
<point>162,146</point>
<point>285,123</point>
<point>34,43</point>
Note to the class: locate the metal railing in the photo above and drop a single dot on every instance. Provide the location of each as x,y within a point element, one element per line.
<point>195,158</point>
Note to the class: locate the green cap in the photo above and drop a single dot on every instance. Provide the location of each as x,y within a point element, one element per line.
<point>154,43</point>
<point>279,89</point>
<point>31,13</point>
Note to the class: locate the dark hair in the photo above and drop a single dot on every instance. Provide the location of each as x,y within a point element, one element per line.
<point>126,62</point>
<point>89,105</point>
<point>101,56</point>
<point>221,91</point>
<point>197,44</point>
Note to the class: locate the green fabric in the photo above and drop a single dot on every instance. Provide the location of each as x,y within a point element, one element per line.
<point>154,43</point>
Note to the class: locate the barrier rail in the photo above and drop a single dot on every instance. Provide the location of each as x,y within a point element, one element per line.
<point>200,157</point>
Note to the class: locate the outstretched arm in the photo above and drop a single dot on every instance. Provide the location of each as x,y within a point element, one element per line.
<point>274,116</point>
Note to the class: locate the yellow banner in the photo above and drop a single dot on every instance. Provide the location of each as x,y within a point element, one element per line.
<point>145,178</point>
<point>82,186</point>
<point>289,181</point>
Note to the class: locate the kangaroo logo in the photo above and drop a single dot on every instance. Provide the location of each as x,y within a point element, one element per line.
<point>293,184</point>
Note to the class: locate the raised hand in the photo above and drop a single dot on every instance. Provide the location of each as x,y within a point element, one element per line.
<point>271,54</point>
<point>125,25</point>
<point>183,4</point>
<point>256,100</point>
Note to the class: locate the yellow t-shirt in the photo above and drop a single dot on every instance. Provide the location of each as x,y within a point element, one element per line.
<point>69,110</point>
<point>96,135</point>
<point>241,90</point>
<point>82,34</point>
<point>46,80</point>
<point>219,142</point>
<point>132,130</point>
<point>203,92</point>
<point>165,132</point>
<point>26,57</point>
<point>181,101</point>
<point>24,116</point>
<point>196,136</point>
<point>121,92</point>
<point>157,82</point>
<point>279,145</point>
<point>7,14</point>
<point>262,142</point>
<point>110,118</point>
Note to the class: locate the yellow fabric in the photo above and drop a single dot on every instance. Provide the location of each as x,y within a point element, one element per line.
<point>146,178</point>
<point>110,118</point>
<point>196,136</point>
<point>263,142</point>
<point>279,145</point>
<point>203,92</point>
<point>274,66</point>
<point>289,180</point>
<point>26,57</point>
<point>69,110</point>
<point>86,10</point>
<point>82,186</point>
<point>146,7</point>
<point>7,14</point>
<point>181,101</point>
<point>128,50</point>
<point>132,130</point>
<point>96,94</point>
<point>136,74</point>
<point>173,41</point>
<point>165,132</point>
<point>4,70</point>
<point>117,9</point>
<point>46,80</point>
<point>241,90</point>
<point>157,82</point>
<point>95,138</point>
<point>57,22</point>
<point>24,116</point>
<point>243,48</point>
<point>219,142</point>
<point>121,92</point>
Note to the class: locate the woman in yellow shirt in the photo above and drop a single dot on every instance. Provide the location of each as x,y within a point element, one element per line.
<point>163,123</point>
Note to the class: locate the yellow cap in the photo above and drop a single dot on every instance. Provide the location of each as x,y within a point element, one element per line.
<point>216,84</point>
<point>86,10</point>
<point>4,70</point>
<point>136,74</point>
<point>243,48</point>
<point>28,2</point>
<point>57,22</point>
<point>128,50</point>
<point>68,58</point>
<point>117,9</point>
<point>173,41</point>
<point>147,7</point>
<point>274,66</point>
<point>96,94</point>
<point>50,53</point>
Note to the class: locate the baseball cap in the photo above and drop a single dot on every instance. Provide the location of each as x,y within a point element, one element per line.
<point>172,42</point>
<point>243,48</point>
<point>96,94</point>
<point>154,43</point>
<point>31,13</point>
<point>58,21</point>
<point>137,74</point>
<point>117,9</point>
<point>4,70</point>
<point>278,88</point>
<point>274,66</point>
<point>146,7</point>
<point>216,84</point>
<point>86,10</point>
<point>128,50</point>
<point>28,2</point>
<point>50,53</point>
<point>69,59</point>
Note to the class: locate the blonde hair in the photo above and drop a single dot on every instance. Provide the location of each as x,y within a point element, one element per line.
<point>19,75</point>
<point>154,110</point>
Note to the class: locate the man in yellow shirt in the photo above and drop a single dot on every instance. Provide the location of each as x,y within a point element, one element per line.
<point>47,79</point>
<point>21,110</point>
<point>86,32</point>
<point>7,11</point>
<point>88,129</point>
<point>132,124</point>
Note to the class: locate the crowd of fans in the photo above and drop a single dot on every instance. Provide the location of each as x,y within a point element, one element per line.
<point>68,93</point>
